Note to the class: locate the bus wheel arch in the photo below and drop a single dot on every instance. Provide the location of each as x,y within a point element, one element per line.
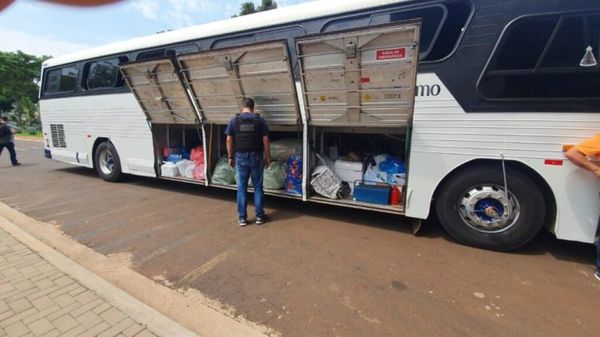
<point>106,160</point>
<point>457,204</point>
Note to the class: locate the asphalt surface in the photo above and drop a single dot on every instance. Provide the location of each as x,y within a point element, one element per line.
<point>313,270</point>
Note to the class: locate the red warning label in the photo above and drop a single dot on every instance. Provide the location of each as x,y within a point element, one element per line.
<point>389,54</point>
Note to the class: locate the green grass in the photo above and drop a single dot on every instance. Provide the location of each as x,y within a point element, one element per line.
<point>37,134</point>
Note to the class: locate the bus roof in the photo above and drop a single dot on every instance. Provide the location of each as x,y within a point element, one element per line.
<point>304,11</point>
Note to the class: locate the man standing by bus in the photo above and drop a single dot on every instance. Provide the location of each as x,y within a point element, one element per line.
<point>579,155</point>
<point>248,150</point>
<point>7,139</point>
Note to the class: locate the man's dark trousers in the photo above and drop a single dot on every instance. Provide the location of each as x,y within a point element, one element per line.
<point>11,149</point>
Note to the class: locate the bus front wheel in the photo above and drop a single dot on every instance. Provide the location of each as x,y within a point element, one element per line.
<point>475,208</point>
<point>107,161</point>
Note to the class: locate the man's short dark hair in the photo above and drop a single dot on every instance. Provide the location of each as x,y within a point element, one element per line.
<point>5,119</point>
<point>248,103</point>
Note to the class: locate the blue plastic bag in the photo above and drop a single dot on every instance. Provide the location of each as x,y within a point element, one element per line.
<point>392,165</point>
<point>293,179</point>
<point>173,158</point>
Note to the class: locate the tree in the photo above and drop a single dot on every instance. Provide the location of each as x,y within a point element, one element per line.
<point>248,7</point>
<point>267,5</point>
<point>19,78</point>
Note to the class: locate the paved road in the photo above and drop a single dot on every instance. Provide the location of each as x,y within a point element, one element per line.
<point>37,299</point>
<point>314,270</point>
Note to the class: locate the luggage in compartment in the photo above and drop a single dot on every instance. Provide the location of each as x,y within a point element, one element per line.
<point>185,168</point>
<point>274,176</point>
<point>282,149</point>
<point>223,174</point>
<point>169,169</point>
<point>349,171</point>
<point>374,194</point>
<point>198,172</point>
<point>197,155</point>
<point>325,182</point>
<point>293,179</point>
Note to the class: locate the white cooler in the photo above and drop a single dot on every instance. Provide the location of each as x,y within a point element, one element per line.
<point>349,171</point>
<point>169,169</point>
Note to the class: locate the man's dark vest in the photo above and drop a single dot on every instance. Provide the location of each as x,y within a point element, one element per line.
<point>248,134</point>
<point>5,133</point>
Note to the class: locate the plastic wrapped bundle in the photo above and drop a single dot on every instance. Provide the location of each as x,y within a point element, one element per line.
<point>274,176</point>
<point>282,149</point>
<point>293,179</point>
<point>223,174</point>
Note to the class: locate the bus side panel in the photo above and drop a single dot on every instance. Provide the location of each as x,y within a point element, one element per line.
<point>444,137</point>
<point>87,118</point>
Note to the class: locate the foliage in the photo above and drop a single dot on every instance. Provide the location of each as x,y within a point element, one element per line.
<point>248,7</point>
<point>267,5</point>
<point>19,79</point>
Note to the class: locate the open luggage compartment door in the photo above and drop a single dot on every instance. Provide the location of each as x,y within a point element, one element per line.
<point>360,78</point>
<point>160,92</point>
<point>219,79</point>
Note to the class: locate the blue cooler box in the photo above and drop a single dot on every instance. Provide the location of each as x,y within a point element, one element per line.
<point>374,194</point>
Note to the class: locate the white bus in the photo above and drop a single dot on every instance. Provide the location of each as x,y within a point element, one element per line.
<point>479,98</point>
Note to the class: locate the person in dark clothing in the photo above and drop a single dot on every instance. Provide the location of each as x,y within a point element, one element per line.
<point>248,150</point>
<point>7,140</point>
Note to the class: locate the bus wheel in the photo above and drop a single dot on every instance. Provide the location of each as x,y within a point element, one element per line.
<point>107,162</point>
<point>475,209</point>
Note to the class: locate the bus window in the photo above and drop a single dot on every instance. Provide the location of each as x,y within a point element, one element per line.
<point>233,41</point>
<point>441,27</point>
<point>182,49</point>
<point>102,74</point>
<point>61,80</point>
<point>571,40</point>
<point>539,57</point>
<point>150,54</point>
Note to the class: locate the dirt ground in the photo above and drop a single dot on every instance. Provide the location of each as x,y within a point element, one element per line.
<point>314,270</point>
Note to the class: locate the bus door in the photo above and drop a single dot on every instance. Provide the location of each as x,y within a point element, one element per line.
<point>174,120</point>
<point>359,87</point>
<point>219,80</point>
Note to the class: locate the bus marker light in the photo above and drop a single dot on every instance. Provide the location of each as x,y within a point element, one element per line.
<point>555,162</point>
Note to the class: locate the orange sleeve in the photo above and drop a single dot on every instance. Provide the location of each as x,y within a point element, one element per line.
<point>590,147</point>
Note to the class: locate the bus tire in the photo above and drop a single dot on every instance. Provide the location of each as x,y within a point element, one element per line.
<point>473,208</point>
<point>108,164</point>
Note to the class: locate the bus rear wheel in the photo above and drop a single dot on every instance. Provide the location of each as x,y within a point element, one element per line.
<point>107,162</point>
<point>476,210</point>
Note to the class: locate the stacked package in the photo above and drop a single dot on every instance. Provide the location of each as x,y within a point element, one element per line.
<point>293,179</point>
<point>181,162</point>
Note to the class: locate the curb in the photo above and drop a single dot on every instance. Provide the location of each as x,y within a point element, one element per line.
<point>29,139</point>
<point>165,311</point>
<point>135,309</point>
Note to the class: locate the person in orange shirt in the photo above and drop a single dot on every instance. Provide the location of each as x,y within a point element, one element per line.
<point>580,155</point>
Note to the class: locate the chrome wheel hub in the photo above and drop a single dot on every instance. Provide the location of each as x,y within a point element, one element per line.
<point>486,208</point>
<point>107,165</point>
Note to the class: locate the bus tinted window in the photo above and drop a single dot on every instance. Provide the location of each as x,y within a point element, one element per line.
<point>151,54</point>
<point>539,58</point>
<point>103,74</point>
<point>61,80</point>
<point>441,28</point>
<point>572,38</point>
